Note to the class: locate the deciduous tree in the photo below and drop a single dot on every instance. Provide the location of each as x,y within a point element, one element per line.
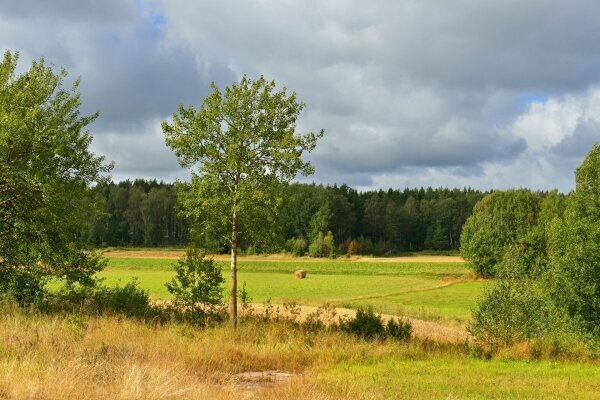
<point>497,221</point>
<point>46,171</point>
<point>243,146</point>
<point>574,248</point>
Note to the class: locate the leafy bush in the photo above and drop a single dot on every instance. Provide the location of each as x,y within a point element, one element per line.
<point>23,286</point>
<point>399,330</point>
<point>322,246</point>
<point>129,300</point>
<point>365,325</point>
<point>196,286</point>
<point>369,326</point>
<point>512,311</point>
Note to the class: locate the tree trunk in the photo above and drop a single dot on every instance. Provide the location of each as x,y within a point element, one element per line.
<point>233,294</point>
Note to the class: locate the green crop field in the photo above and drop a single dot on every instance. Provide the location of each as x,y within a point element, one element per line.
<point>443,292</point>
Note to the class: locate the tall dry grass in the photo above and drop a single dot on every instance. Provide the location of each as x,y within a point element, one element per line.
<point>78,357</point>
<point>81,357</point>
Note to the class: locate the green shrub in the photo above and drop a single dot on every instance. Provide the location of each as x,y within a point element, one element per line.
<point>512,311</point>
<point>129,300</point>
<point>23,286</point>
<point>196,286</point>
<point>322,246</point>
<point>399,330</point>
<point>365,325</point>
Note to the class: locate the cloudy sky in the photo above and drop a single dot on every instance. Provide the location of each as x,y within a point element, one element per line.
<point>487,94</point>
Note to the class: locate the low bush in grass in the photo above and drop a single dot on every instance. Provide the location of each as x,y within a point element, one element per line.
<point>128,300</point>
<point>197,290</point>
<point>370,326</point>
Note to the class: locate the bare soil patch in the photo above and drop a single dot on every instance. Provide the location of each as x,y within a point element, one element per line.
<point>261,379</point>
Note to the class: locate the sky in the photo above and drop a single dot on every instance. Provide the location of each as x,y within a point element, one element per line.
<point>491,94</point>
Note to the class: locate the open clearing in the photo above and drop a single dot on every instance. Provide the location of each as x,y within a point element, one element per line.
<point>427,287</point>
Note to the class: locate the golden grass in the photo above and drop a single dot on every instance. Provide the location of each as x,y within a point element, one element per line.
<point>73,357</point>
<point>425,330</point>
<point>108,358</point>
<point>176,254</point>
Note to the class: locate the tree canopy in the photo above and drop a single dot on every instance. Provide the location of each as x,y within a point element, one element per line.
<point>498,220</point>
<point>243,146</point>
<point>574,248</point>
<point>46,171</point>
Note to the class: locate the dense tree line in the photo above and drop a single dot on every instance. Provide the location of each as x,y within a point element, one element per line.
<point>139,213</point>
<point>144,213</point>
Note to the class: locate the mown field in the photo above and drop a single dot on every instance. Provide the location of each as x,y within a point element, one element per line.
<point>431,290</point>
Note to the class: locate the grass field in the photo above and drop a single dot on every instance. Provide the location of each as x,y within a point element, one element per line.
<point>68,357</point>
<point>432,290</point>
<point>75,357</point>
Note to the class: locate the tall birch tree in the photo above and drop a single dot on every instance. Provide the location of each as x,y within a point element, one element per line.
<point>242,147</point>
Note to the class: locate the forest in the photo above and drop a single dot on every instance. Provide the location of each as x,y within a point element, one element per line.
<point>145,213</point>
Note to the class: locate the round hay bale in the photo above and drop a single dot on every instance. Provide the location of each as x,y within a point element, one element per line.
<point>300,274</point>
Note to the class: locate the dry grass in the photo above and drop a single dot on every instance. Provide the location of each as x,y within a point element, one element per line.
<point>176,254</point>
<point>72,357</point>
<point>424,330</point>
<point>43,357</point>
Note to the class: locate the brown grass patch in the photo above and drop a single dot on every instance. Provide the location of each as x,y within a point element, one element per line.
<point>176,254</point>
<point>425,330</point>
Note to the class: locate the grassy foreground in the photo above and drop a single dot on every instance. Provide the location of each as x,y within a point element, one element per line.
<point>72,357</point>
<point>438,291</point>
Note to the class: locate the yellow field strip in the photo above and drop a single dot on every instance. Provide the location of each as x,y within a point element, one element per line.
<point>176,254</point>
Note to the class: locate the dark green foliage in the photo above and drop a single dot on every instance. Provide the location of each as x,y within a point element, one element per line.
<point>196,285</point>
<point>128,300</point>
<point>139,213</point>
<point>46,171</point>
<point>574,249</point>
<point>366,325</point>
<point>369,326</point>
<point>407,224</point>
<point>24,286</point>
<point>398,330</point>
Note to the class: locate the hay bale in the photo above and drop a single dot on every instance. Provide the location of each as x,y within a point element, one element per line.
<point>300,274</point>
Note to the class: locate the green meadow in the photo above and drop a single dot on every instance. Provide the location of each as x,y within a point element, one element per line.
<point>443,292</point>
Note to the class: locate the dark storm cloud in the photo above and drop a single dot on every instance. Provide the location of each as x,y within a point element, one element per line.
<point>69,10</point>
<point>468,92</point>
<point>506,44</point>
